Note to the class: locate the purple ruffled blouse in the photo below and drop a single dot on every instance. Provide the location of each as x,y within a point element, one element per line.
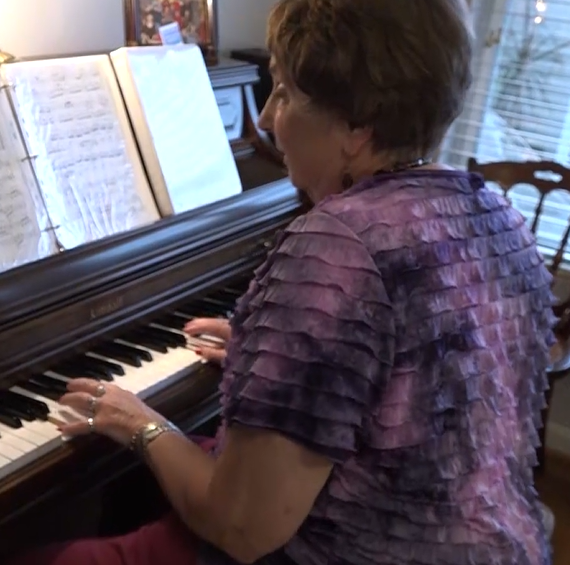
<point>402,330</point>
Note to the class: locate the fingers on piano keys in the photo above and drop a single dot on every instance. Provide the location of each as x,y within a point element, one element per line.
<point>143,360</point>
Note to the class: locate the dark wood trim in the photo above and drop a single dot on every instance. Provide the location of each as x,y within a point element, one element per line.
<point>558,466</point>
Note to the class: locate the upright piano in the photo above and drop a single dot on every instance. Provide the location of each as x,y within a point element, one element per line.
<point>114,310</point>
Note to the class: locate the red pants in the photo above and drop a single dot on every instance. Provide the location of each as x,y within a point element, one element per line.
<point>166,541</point>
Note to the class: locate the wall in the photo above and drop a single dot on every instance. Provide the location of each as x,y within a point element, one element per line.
<point>48,27</point>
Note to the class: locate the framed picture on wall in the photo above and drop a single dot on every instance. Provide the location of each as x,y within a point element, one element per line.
<point>197,19</point>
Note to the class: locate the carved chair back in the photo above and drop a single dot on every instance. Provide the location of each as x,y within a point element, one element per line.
<point>545,176</point>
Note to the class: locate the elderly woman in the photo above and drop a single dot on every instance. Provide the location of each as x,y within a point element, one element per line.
<point>385,370</point>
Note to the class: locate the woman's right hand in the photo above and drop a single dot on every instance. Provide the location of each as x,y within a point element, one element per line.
<point>215,327</point>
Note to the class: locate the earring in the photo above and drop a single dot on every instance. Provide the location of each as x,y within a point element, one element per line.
<point>347,181</point>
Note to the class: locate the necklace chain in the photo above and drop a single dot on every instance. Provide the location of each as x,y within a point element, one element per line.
<point>398,167</point>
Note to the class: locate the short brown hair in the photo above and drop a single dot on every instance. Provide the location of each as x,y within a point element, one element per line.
<point>402,67</point>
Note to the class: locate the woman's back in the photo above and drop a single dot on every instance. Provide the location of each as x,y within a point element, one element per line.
<point>443,469</point>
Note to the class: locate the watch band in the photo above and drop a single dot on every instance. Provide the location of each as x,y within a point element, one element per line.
<point>148,433</point>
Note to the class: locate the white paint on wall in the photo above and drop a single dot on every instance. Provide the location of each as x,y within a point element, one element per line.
<point>32,28</point>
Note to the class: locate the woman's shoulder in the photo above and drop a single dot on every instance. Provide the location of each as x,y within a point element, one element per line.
<point>383,195</point>
<point>417,207</point>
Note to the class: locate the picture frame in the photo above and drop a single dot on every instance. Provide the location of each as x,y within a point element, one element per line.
<point>197,19</point>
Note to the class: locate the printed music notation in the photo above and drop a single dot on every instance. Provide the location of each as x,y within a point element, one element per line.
<point>25,230</point>
<point>85,160</point>
<point>177,122</point>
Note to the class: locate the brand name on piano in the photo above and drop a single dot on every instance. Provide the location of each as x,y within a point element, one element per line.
<point>105,308</point>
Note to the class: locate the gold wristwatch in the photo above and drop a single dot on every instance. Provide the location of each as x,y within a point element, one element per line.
<point>145,435</point>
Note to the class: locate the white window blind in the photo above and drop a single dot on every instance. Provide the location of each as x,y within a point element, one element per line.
<point>519,106</point>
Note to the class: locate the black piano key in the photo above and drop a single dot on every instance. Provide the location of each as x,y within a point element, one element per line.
<point>113,368</point>
<point>175,339</point>
<point>49,382</point>
<point>162,336</point>
<point>40,390</point>
<point>37,407</point>
<point>21,413</point>
<point>139,338</point>
<point>132,349</point>
<point>84,366</point>
<point>10,421</point>
<point>187,310</point>
<point>76,373</point>
<point>206,311</point>
<point>232,292</point>
<point>229,301</point>
<point>88,367</point>
<point>214,302</point>
<point>129,355</point>
<point>172,321</point>
<point>197,311</point>
<point>223,308</point>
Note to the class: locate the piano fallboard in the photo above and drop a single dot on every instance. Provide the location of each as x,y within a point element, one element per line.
<point>97,289</point>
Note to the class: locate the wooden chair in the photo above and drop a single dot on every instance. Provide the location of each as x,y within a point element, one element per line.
<point>507,174</point>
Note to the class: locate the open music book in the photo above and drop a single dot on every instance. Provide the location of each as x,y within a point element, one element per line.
<point>89,180</point>
<point>178,126</point>
<point>25,228</point>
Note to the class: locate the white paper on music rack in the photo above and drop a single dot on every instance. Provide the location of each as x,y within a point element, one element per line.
<point>86,162</point>
<point>181,128</point>
<point>24,224</point>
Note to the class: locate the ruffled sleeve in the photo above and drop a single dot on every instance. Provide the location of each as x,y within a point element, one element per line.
<point>317,341</point>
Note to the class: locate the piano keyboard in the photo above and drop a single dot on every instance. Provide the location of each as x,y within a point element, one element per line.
<point>144,360</point>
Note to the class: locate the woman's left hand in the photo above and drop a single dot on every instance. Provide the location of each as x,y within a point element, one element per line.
<point>108,409</point>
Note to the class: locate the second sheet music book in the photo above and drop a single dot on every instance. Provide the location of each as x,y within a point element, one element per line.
<point>178,126</point>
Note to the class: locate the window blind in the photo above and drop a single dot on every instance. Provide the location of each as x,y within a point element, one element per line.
<point>518,108</point>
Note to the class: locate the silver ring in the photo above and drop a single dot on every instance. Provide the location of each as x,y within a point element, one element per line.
<point>100,391</point>
<point>91,424</point>
<point>92,405</point>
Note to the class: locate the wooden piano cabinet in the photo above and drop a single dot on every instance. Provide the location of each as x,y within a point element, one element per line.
<point>64,306</point>
<point>61,307</point>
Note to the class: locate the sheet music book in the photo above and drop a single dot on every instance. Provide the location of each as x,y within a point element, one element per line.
<point>25,228</point>
<point>178,125</point>
<point>78,138</point>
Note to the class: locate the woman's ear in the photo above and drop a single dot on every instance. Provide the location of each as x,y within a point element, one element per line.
<point>355,140</point>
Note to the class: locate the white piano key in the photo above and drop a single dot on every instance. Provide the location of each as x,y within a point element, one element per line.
<point>10,452</point>
<point>36,439</point>
<point>24,433</point>
<point>44,429</point>
<point>31,445</point>
<point>15,441</point>
<point>164,369</point>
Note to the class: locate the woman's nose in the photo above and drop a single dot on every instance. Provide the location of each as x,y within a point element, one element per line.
<point>265,121</point>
